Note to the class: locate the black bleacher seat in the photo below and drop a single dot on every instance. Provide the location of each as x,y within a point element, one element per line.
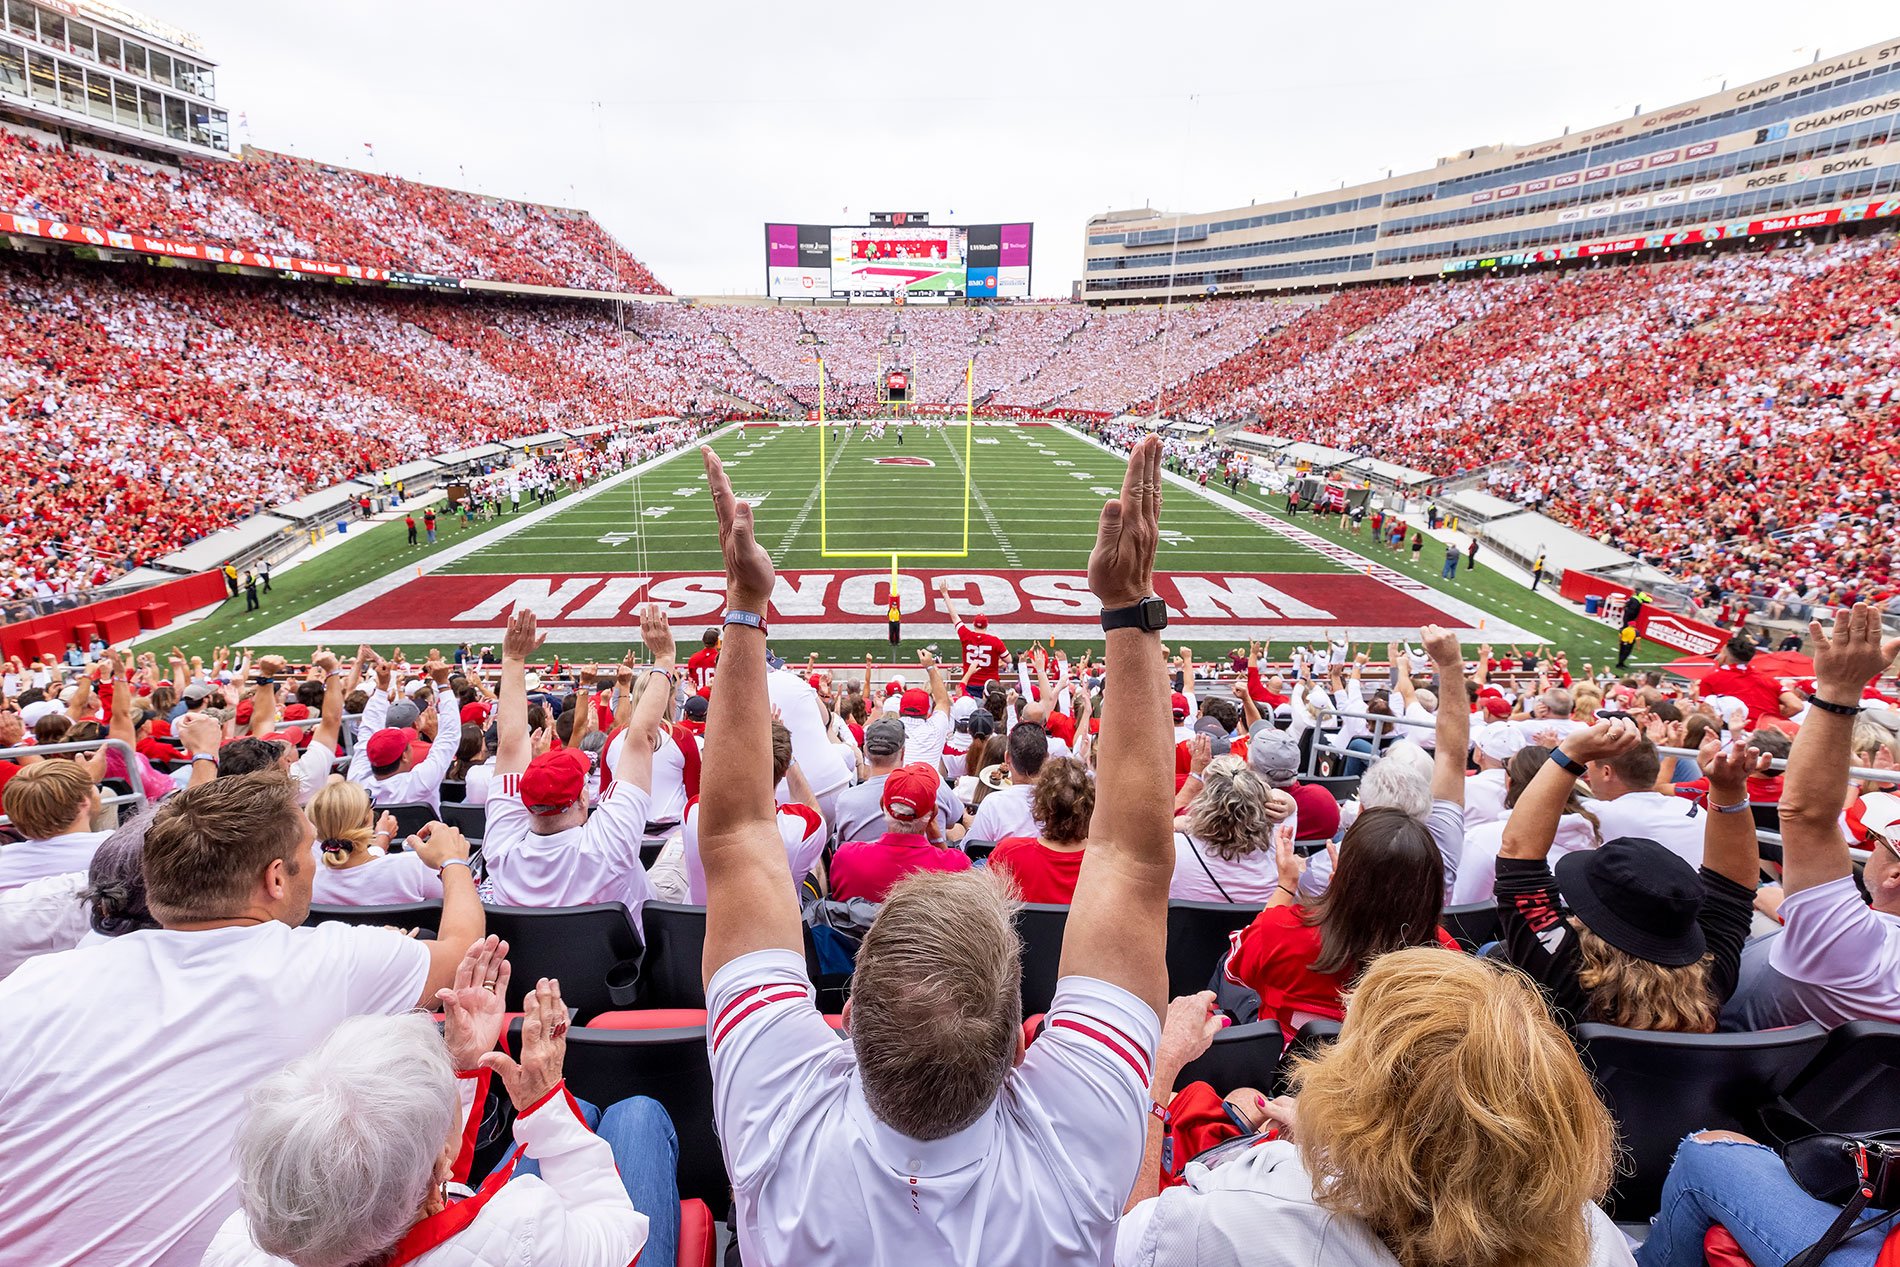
<point>670,975</point>
<point>670,1065</point>
<point>650,851</point>
<point>1661,1087</point>
<point>454,791</point>
<point>978,850</point>
<point>1853,1084</point>
<point>1473,924</point>
<point>1198,934</point>
<point>411,817</point>
<point>1307,1042</point>
<point>403,915</point>
<point>1343,786</point>
<point>1240,1056</point>
<point>591,950</point>
<point>470,820</point>
<point>1040,926</point>
<point>1767,815</point>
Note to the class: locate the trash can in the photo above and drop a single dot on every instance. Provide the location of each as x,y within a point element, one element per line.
<point>1592,604</point>
<point>342,526</point>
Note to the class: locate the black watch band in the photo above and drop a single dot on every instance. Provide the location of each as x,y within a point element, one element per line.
<point>1149,615</point>
<point>1567,763</point>
<point>1829,706</point>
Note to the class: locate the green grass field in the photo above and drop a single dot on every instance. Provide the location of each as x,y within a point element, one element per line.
<point>1033,497</point>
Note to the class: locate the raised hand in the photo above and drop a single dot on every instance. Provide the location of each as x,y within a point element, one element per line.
<point>1729,767</point>
<point>1440,644</point>
<point>1605,741</point>
<point>1121,566</point>
<point>1855,654</point>
<point>655,632</point>
<point>543,1048</point>
<point>438,843</point>
<point>521,639</point>
<point>472,1008</point>
<point>749,572</point>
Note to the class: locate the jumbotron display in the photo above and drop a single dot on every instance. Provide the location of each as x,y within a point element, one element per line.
<point>900,263</point>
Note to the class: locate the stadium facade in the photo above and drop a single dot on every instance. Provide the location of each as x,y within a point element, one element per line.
<point>106,71</point>
<point>1805,150</point>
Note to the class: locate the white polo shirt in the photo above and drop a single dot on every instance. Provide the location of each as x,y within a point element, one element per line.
<point>28,860</point>
<point>818,1179</point>
<point>599,861</point>
<point>800,827</point>
<point>1484,797</point>
<point>924,738</point>
<point>1007,813</point>
<point>1674,822</point>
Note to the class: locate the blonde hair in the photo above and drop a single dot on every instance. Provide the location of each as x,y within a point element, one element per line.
<point>1637,994</point>
<point>1449,1075</point>
<point>1230,814</point>
<point>341,814</point>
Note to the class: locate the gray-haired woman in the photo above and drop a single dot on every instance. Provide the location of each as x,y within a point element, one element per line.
<point>359,1152</point>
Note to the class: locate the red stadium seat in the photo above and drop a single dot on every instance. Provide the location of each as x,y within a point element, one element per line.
<point>1720,1249</point>
<point>699,1238</point>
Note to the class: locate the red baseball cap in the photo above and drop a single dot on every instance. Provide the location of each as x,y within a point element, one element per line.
<point>476,712</point>
<point>979,622</point>
<point>915,703</point>
<point>387,746</point>
<point>910,793</point>
<point>1496,707</point>
<point>1180,705</point>
<point>554,781</point>
<point>244,710</point>
<point>297,712</point>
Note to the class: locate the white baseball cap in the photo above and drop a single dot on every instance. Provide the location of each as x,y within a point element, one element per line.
<point>1501,741</point>
<point>1880,812</point>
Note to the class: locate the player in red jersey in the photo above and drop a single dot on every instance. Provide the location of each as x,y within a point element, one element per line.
<point>704,662</point>
<point>983,652</point>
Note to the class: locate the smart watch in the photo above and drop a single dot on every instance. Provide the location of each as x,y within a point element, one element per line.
<point>1149,615</point>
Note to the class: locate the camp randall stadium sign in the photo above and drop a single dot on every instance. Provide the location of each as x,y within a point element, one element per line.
<point>847,603</point>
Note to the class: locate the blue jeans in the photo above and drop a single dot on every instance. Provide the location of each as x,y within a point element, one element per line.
<point>1451,569</point>
<point>1354,766</point>
<point>1746,1189</point>
<point>647,1154</point>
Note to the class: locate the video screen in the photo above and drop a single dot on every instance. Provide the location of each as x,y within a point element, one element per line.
<point>876,263</point>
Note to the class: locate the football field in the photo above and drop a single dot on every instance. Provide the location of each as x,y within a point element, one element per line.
<point>1004,514</point>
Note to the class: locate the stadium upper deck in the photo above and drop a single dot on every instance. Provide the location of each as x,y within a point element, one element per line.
<point>1799,150</point>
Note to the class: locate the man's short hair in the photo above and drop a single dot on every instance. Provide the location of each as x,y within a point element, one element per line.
<point>781,750</point>
<point>248,756</point>
<point>1028,749</point>
<point>1560,702</point>
<point>45,798</point>
<point>310,694</point>
<point>208,844</point>
<point>936,1001</point>
<point>1223,711</point>
<point>1639,766</point>
<point>1741,648</point>
<point>709,638</point>
<point>1775,743</point>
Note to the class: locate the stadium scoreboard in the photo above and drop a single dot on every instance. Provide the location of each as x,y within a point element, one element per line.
<point>899,257</point>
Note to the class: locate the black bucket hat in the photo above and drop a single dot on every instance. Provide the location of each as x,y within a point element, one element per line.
<point>1638,897</point>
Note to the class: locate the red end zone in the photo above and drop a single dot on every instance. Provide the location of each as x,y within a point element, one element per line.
<point>843,603</point>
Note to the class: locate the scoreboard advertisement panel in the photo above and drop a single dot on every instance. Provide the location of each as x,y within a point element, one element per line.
<point>887,263</point>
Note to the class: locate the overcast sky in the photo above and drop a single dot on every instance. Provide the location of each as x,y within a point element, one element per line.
<point>685,127</point>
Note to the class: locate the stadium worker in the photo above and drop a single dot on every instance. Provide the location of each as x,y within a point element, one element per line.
<point>127,1072</point>
<point>860,808</point>
<point>385,762</point>
<point>350,1154</point>
<point>932,1136</point>
<point>543,847</point>
<point>1447,1074</point>
<point>1011,811</point>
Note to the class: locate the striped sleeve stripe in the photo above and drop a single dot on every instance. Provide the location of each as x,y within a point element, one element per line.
<point>1233,948</point>
<point>750,1001</point>
<point>1119,1044</point>
<point>511,785</point>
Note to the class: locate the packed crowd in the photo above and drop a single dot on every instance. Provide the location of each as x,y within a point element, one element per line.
<point>281,205</point>
<point>297,1104</point>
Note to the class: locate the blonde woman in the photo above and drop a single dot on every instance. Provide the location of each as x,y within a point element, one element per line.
<point>1226,853</point>
<point>1448,1075</point>
<point>355,865</point>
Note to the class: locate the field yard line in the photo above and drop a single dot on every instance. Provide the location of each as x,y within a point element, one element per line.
<point>283,633</point>
<point>804,512</point>
<point>989,516</point>
<point>1477,617</point>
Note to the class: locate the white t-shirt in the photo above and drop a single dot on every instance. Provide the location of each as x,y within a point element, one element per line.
<point>824,763</point>
<point>599,861</point>
<point>127,1065</point>
<point>667,801</point>
<point>1248,879</point>
<point>1006,813</point>
<point>1674,822</point>
<point>421,784</point>
<point>818,1178</point>
<point>1477,876</point>
<point>1840,956</point>
<point>924,738</point>
<point>388,881</point>
<point>41,917</point>
<point>476,784</point>
<point>1257,1210</point>
<point>800,827</point>
<point>30,860</point>
<point>1484,797</point>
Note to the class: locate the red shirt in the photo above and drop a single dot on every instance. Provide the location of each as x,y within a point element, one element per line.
<point>982,655</point>
<point>700,668</point>
<point>7,771</point>
<point>1760,692</point>
<point>1759,790</point>
<point>1273,956</point>
<point>1042,874</point>
<point>868,869</point>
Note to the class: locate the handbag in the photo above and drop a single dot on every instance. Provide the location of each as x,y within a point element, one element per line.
<point>1853,1171</point>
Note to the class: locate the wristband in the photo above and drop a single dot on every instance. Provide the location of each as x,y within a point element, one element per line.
<point>1567,763</point>
<point>1740,807</point>
<point>1158,1110</point>
<point>665,673</point>
<point>1289,892</point>
<point>205,756</point>
<point>753,620</point>
<point>1829,706</point>
<point>457,862</point>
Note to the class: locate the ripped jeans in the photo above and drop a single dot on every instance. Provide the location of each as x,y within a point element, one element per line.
<point>1746,1189</point>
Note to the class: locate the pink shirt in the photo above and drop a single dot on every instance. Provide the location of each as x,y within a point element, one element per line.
<point>868,869</point>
